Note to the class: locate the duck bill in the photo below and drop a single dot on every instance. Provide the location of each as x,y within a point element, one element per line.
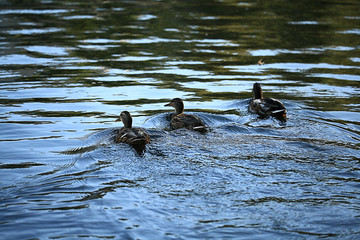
<point>118,119</point>
<point>167,105</point>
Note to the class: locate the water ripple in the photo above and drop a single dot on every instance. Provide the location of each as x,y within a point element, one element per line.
<point>68,68</point>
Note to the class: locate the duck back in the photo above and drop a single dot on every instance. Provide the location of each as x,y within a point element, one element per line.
<point>188,121</point>
<point>132,136</point>
<point>268,107</point>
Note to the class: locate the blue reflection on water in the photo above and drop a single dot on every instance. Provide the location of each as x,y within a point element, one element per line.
<point>69,68</point>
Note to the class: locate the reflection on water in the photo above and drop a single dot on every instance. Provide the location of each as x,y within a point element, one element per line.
<point>68,68</point>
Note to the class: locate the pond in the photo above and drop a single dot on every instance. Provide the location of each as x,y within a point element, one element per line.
<point>68,68</point>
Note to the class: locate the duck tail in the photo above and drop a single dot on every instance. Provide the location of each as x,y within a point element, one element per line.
<point>200,128</point>
<point>278,111</point>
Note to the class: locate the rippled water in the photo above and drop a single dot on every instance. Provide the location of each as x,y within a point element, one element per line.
<point>68,68</point>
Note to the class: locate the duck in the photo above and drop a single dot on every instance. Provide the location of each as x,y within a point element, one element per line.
<point>266,107</point>
<point>136,137</point>
<point>179,119</point>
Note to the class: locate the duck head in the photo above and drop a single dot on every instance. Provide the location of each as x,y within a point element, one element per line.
<point>257,91</point>
<point>125,117</point>
<point>176,103</point>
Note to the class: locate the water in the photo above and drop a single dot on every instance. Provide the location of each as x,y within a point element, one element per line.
<point>68,68</point>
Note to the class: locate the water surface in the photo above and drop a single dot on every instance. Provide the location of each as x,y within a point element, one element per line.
<point>68,68</point>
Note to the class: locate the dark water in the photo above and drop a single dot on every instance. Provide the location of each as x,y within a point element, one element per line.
<point>68,68</point>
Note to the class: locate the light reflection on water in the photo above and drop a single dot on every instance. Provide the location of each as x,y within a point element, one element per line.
<point>69,68</point>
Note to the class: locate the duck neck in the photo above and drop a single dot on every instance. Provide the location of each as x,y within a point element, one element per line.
<point>257,92</point>
<point>179,108</point>
<point>127,123</point>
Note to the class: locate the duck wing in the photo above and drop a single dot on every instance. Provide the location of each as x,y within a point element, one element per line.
<point>268,107</point>
<point>272,106</point>
<point>142,137</point>
<point>188,121</point>
<point>133,136</point>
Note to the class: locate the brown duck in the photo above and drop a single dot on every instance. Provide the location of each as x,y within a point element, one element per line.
<point>179,119</point>
<point>266,106</point>
<point>128,134</point>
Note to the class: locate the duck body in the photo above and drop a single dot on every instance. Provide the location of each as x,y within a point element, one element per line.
<point>266,107</point>
<point>179,119</point>
<point>130,135</point>
<point>188,121</point>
